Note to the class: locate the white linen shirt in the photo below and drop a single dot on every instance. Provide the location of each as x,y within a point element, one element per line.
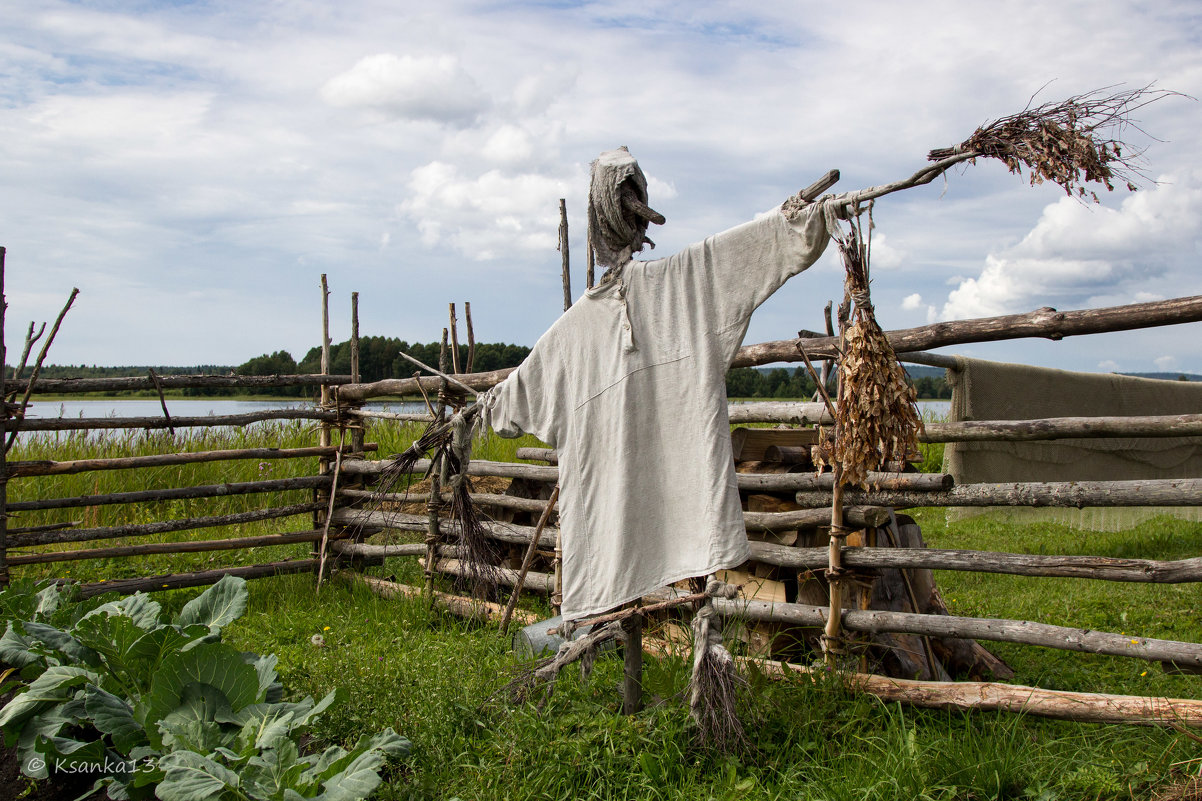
<point>629,386</point>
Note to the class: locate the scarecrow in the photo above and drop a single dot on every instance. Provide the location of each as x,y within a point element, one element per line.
<point>629,387</point>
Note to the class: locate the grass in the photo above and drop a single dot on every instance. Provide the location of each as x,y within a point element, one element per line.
<point>435,678</point>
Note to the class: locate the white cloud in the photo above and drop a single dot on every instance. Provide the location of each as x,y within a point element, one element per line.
<point>435,88</point>
<point>1078,254</point>
<point>1108,365</point>
<point>1165,363</point>
<point>509,144</point>
<point>484,217</point>
<point>912,302</point>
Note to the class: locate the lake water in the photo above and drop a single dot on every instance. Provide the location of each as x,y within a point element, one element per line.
<point>179,407</point>
<point>184,407</point>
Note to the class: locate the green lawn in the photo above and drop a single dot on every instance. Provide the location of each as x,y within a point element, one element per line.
<point>435,678</point>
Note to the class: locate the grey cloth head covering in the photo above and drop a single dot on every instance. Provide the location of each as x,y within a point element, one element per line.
<point>616,230</point>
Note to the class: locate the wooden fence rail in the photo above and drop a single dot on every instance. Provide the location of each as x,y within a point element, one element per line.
<point>208,421</point>
<point>1045,323</point>
<point>202,491</point>
<point>65,386</point>
<point>1070,494</point>
<point>51,468</point>
<point>145,529</point>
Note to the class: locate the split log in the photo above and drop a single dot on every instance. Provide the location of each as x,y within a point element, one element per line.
<point>1078,494</point>
<point>47,527</point>
<point>200,546</point>
<point>175,581</point>
<point>49,468</point>
<point>1015,631</point>
<point>147,496</point>
<point>994,696</point>
<point>209,421</point>
<point>1169,425</point>
<point>144,529</point>
<point>67,386</point>
<point>1046,323</point>
<point>1016,564</point>
<point>455,604</point>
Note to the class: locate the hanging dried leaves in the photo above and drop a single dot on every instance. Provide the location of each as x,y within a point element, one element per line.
<point>1070,142</point>
<point>876,417</point>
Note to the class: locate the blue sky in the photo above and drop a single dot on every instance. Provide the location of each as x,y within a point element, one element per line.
<point>195,167</point>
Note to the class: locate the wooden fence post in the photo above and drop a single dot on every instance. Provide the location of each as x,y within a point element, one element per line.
<point>3,451</point>
<point>563,253</point>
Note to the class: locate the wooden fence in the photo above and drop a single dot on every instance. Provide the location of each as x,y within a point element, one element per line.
<point>339,514</point>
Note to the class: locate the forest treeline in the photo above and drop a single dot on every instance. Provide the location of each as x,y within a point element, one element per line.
<point>379,358</point>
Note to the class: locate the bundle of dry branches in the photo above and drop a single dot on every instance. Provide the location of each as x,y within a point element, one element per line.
<point>1069,142</point>
<point>876,417</point>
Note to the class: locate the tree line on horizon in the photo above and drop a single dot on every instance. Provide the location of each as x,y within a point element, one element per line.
<point>379,358</point>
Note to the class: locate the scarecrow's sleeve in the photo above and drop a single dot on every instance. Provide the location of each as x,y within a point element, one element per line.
<point>733,272</point>
<point>517,405</point>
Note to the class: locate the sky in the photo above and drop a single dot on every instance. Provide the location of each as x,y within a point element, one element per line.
<point>195,167</point>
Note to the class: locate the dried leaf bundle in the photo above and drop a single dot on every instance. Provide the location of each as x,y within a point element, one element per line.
<point>449,442</point>
<point>1070,142</point>
<point>876,417</point>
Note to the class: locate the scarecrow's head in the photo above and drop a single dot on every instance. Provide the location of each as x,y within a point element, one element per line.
<point>618,213</point>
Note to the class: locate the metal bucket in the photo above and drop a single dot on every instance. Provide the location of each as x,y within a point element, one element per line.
<point>536,640</point>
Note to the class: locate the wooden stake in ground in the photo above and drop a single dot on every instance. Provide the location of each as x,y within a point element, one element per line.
<point>563,251</point>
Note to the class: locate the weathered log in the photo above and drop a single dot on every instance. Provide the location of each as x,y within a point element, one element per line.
<point>854,516</point>
<point>1078,494</point>
<point>144,529</point>
<point>175,581</point>
<point>1169,425</point>
<point>200,546</point>
<point>753,482</point>
<point>209,421</point>
<point>65,386</point>
<point>455,604</point>
<point>547,455</point>
<point>536,582</point>
<point>371,414</point>
<point>49,468</point>
<point>797,482</point>
<point>994,696</point>
<point>147,496</point>
<point>1046,323</point>
<point>378,551</point>
<point>409,386</point>
<point>806,414</point>
<point>859,516</point>
<point>401,521</point>
<point>478,498</point>
<point>1016,564</point>
<point>1016,631</point>
<point>476,467</point>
